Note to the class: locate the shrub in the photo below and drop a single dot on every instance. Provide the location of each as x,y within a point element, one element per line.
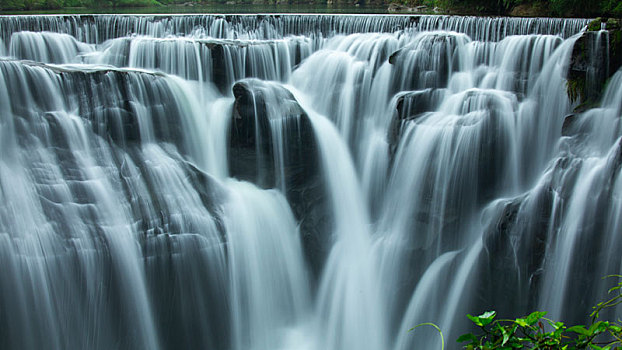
<point>535,331</point>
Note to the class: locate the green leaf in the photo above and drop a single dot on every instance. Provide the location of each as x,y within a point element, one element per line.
<point>551,342</point>
<point>521,322</point>
<point>467,337</point>
<point>615,328</point>
<point>534,317</point>
<point>579,330</point>
<point>598,327</point>
<point>475,320</point>
<point>487,317</point>
<point>506,335</point>
<point>483,319</point>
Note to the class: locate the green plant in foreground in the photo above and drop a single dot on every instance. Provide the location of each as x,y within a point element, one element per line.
<point>537,332</point>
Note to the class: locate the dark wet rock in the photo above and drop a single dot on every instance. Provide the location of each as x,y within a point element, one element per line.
<point>264,116</point>
<point>259,126</point>
<point>501,271</point>
<point>423,64</point>
<point>596,56</point>
<point>210,192</point>
<point>515,245</point>
<point>480,135</point>
<point>535,231</point>
<point>492,139</point>
<point>617,160</point>
<point>105,97</point>
<point>569,122</point>
<point>175,263</point>
<point>413,104</point>
<point>219,69</point>
<point>410,107</point>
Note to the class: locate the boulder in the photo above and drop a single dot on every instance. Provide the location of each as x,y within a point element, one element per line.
<point>411,106</point>
<point>569,123</point>
<point>425,63</point>
<point>270,137</point>
<point>596,56</point>
<point>272,144</point>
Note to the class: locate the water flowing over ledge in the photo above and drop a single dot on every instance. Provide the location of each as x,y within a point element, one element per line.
<point>302,182</point>
<point>98,28</point>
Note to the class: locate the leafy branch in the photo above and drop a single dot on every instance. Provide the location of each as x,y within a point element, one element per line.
<point>538,332</point>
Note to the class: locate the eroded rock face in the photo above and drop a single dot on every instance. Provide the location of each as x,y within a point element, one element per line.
<point>482,117</point>
<point>409,107</point>
<point>271,138</point>
<point>588,67</point>
<point>596,56</point>
<point>425,63</point>
<point>509,262</point>
<point>272,144</point>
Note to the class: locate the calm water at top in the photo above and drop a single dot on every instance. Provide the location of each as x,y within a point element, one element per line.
<point>221,8</point>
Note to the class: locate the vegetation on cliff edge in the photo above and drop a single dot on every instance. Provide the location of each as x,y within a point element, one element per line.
<point>558,8</point>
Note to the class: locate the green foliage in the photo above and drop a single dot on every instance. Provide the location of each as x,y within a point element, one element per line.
<point>575,88</point>
<point>57,4</point>
<point>612,7</point>
<point>483,319</point>
<point>443,4</point>
<point>538,332</point>
<point>581,8</point>
<point>484,6</point>
<point>595,24</point>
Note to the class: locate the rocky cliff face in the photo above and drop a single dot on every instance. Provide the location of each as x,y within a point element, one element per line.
<point>272,145</point>
<point>596,56</point>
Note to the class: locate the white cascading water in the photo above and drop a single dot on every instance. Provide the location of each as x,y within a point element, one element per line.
<point>311,182</point>
<point>349,306</point>
<point>269,286</point>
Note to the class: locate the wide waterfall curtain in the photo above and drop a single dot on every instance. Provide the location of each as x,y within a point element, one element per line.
<point>309,182</point>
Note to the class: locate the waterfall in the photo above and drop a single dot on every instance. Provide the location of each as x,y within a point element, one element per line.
<point>349,303</point>
<point>269,290</point>
<point>261,182</point>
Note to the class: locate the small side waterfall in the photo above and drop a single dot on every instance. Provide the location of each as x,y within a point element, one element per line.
<point>309,182</point>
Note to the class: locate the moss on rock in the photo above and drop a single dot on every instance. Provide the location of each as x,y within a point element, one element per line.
<point>595,24</point>
<point>594,60</point>
<point>575,87</point>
